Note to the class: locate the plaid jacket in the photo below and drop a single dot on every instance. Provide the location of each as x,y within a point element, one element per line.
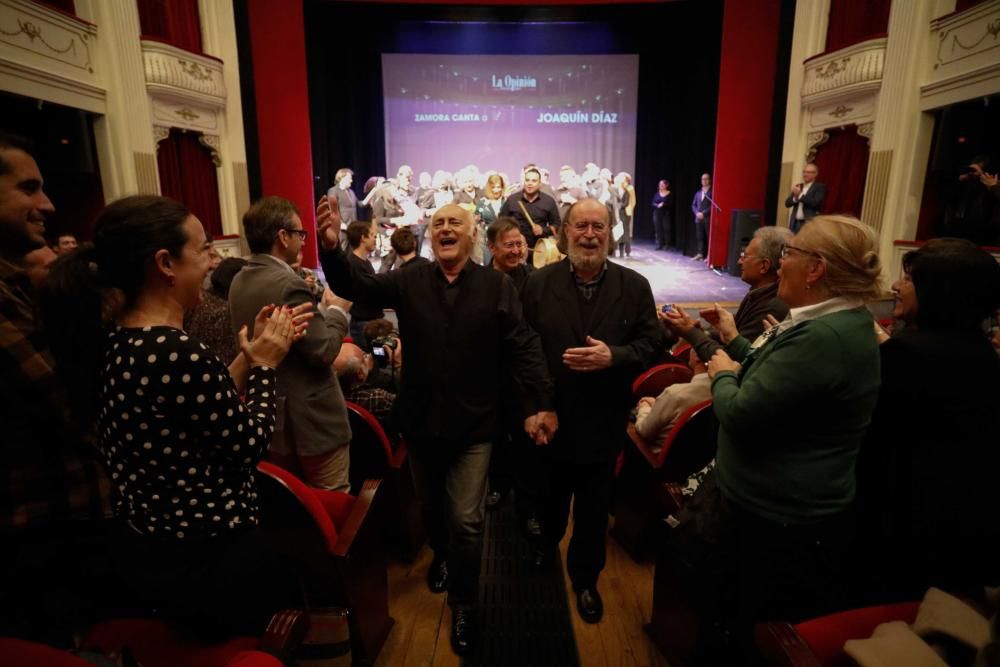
<point>47,470</point>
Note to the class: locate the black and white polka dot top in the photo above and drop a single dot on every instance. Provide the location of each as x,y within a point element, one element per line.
<point>180,444</point>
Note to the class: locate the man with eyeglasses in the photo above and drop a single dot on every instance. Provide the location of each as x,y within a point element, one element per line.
<point>312,429</point>
<point>598,325</point>
<point>465,335</point>
<point>759,264</point>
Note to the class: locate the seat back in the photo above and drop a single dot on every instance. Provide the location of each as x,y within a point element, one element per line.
<point>371,451</point>
<point>691,443</point>
<point>826,635</point>
<point>658,378</point>
<point>293,508</point>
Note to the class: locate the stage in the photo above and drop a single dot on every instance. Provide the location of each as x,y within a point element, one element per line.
<point>679,279</point>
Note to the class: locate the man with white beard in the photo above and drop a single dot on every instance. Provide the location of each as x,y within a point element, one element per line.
<point>599,330</point>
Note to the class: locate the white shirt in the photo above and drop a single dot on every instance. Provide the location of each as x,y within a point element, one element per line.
<point>799,214</point>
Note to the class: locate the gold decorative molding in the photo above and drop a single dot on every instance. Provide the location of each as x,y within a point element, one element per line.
<point>841,111</point>
<point>186,113</point>
<point>965,62</point>
<point>195,71</point>
<point>31,30</point>
<point>213,143</point>
<point>851,71</point>
<point>813,141</point>
<point>832,68</point>
<point>160,132</point>
<point>866,130</point>
<point>876,189</point>
<point>180,75</point>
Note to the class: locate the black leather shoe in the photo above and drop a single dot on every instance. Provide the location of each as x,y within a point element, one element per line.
<point>493,499</point>
<point>463,629</point>
<point>589,604</point>
<point>437,576</point>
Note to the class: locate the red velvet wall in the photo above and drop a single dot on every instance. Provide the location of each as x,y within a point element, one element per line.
<point>282,95</point>
<point>743,124</point>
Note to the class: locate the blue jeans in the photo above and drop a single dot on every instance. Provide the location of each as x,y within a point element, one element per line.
<point>451,486</point>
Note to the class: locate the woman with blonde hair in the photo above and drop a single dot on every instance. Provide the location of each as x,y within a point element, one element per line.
<point>793,407</point>
<point>488,210</point>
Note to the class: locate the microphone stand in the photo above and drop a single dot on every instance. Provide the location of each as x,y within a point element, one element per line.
<point>719,209</point>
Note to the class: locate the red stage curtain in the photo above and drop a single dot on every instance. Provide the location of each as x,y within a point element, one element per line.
<point>962,5</point>
<point>174,21</point>
<point>68,6</point>
<point>188,175</point>
<point>852,22</point>
<point>843,167</point>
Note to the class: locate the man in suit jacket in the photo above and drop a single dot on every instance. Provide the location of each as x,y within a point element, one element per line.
<point>312,424</point>
<point>806,198</point>
<point>599,330</point>
<point>701,206</point>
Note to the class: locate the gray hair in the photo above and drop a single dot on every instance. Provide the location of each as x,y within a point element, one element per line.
<point>771,238</point>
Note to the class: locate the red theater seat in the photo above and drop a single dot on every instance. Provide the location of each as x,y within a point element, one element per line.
<point>337,539</point>
<point>819,642</point>
<point>20,653</point>
<point>658,378</point>
<point>373,457</point>
<point>646,488</point>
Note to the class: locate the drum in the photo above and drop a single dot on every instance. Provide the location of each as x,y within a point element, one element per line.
<point>546,252</point>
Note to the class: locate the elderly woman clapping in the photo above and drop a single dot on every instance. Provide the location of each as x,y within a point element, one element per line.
<point>793,407</point>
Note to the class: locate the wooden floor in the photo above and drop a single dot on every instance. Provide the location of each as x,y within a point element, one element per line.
<point>423,619</point>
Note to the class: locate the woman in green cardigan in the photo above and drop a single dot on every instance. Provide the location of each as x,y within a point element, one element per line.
<point>793,407</point>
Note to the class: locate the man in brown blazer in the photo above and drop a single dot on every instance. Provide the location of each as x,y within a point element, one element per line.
<point>312,426</point>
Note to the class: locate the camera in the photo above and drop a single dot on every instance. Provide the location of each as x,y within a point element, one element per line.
<point>667,308</point>
<point>391,342</point>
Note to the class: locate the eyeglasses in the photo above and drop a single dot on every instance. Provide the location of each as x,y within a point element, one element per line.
<point>744,255</point>
<point>597,227</point>
<point>302,234</point>
<point>785,247</point>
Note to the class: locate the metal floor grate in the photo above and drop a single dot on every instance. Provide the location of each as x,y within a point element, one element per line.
<point>524,612</point>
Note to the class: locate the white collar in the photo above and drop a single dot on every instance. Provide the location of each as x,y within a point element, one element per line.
<point>802,314</point>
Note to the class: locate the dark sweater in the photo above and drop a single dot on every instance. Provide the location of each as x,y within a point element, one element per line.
<point>756,305</point>
<point>791,423</point>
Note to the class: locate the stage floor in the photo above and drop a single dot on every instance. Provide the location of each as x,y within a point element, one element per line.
<point>679,279</point>
<point>676,278</point>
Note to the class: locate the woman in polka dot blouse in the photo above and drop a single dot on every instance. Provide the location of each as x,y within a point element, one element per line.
<point>180,444</point>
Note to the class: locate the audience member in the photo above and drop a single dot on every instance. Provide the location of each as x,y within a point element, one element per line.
<point>65,242</point>
<point>508,250</point>
<point>927,494</point>
<point>806,198</point>
<point>55,493</point>
<point>180,444</point>
<point>36,265</point>
<point>361,237</point>
<point>313,431</point>
<point>536,212</point>
<point>459,320</point>
<point>353,366</point>
<point>758,268</point>
<point>404,251</point>
<point>209,321</point>
<point>792,413</point>
<point>972,204</point>
<point>598,326</point>
<point>655,417</point>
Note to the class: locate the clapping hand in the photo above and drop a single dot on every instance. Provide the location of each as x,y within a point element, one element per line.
<point>721,361</point>
<point>770,322</point>
<point>301,314</point>
<point>722,320</point>
<point>272,340</point>
<point>328,222</point>
<point>677,320</point>
<point>989,180</point>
